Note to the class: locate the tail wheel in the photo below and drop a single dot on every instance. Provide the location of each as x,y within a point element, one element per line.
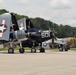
<point>42,50</point>
<point>33,50</point>
<point>21,50</point>
<point>10,50</point>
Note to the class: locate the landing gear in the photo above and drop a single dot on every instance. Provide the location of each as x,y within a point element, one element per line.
<point>33,50</point>
<point>10,50</point>
<point>21,50</point>
<point>42,50</point>
<point>66,49</point>
<point>61,49</point>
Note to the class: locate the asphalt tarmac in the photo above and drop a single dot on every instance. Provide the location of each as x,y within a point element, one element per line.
<point>49,63</point>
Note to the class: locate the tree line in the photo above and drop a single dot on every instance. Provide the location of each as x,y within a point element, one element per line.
<point>61,30</point>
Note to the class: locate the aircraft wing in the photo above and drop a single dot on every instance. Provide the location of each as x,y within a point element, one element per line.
<point>5,23</point>
<point>56,41</point>
<point>25,24</point>
<point>14,22</point>
<point>22,24</point>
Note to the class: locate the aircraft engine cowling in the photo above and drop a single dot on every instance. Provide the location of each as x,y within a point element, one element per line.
<point>34,35</point>
<point>41,36</point>
<point>47,34</point>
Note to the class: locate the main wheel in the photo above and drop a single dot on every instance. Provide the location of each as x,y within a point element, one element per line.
<point>61,49</point>
<point>66,49</point>
<point>10,50</point>
<point>33,50</point>
<point>42,50</point>
<point>21,50</point>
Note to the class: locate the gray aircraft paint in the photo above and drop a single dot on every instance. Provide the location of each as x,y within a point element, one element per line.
<point>22,24</point>
<point>8,23</point>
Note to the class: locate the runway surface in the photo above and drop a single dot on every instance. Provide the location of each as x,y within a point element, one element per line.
<point>49,63</point>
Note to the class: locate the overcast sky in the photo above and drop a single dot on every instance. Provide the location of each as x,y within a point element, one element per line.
<point>58,11</point>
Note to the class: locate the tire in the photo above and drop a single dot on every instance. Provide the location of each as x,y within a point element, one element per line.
<point>10,50</point>
<point>21,50</point>
<point>61,49</point>
<point>42,50</point>
<point>66,49</point>
<point>33,50</point>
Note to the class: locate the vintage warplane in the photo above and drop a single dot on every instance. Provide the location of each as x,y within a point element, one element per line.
<point>60,43</point>
<point>24,34</point>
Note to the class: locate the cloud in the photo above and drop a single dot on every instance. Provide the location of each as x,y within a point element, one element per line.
<point>1,1</point>
<point>22,1</point>
<point>32,8</point>
<point>60,4</point>
<point>58,11</point>
<point>2,4</point>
